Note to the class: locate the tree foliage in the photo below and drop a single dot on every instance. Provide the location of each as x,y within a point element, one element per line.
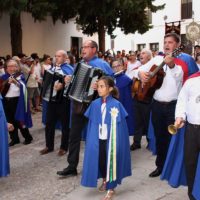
<point>106,15</point>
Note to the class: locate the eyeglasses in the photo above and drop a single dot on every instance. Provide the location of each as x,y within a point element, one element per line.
<point>86,47</point>
<point>115,66</point>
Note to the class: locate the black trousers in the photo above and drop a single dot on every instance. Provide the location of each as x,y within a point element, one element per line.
<point>57,112</point>
<point>142,115</point>
<point>162,117</point>
<point>78,122</point>
<point>10,106</point>
<point>102,157</point>
<point>191,153</point>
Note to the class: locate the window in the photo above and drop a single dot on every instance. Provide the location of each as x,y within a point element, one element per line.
<point>154,46</point>
<point>141,46</point>
<point>186,9</point>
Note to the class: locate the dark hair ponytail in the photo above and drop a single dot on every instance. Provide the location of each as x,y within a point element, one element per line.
<point>110,83</point>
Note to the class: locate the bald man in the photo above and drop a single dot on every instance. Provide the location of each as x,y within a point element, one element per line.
<point>58,110</point>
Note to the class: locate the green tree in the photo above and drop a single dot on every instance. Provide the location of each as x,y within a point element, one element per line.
<point>38,8</point>
<point>106,15</point>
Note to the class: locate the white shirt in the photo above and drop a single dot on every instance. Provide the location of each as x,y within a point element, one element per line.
<point>46,67</point>
<point>103,131</point>
<point>131,68</point>
<point>14,90</point>
<point>198,65</point>
<point>57,69</point>
<point>188,104</point>
<point>171,85</point>
<point>172,81</point>
<point>2,71</point>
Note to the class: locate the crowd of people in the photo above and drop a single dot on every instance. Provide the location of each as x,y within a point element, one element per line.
<point>140,94</point>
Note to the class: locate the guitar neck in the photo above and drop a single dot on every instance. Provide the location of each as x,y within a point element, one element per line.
<point>153,73</point>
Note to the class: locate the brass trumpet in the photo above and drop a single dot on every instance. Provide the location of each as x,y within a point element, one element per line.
<point>172,129</point>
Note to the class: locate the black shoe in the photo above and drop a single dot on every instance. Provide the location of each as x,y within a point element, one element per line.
<point>67,172</point>
<point>26,142</point>
<point>155,173</point>
<point>12,143</point>
<point>134,146</point>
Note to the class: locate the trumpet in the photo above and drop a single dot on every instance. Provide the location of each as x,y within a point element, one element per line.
<point>172,129</point>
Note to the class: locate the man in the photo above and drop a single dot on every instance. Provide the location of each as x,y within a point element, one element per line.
<point>196,50</point>
<point>141,109</point>
<point>58,110</point>
<point>132,64</point>
<point>78,121</point>
<point>32,80</point>
<point>188,110</point>
<point>15,104</point>
<point>164,99</point>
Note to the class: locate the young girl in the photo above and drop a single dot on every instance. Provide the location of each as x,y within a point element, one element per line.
<point>107,153</point>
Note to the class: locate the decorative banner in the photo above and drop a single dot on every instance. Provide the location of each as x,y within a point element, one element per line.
<point>173,27</point>
<point>112,149</point>
<point>193,32</point>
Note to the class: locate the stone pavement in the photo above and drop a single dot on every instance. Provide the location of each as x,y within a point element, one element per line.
<point>33,177</point>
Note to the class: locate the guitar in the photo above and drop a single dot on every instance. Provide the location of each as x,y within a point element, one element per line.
<point>5,85</point>
<point>145,92</point>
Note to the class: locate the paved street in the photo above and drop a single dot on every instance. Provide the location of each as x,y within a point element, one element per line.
<point>33,177</point>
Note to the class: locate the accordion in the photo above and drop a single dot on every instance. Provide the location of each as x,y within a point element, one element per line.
<point>48,93</point>
<point>83,78</point>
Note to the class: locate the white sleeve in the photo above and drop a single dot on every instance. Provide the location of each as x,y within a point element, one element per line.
<point>182,102</point>
<point>145,68</point>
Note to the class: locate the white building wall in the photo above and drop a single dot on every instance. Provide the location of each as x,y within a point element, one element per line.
<point>155,35</point>
<point>41,37</point>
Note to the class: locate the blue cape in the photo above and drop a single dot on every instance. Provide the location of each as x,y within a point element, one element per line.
<point>190,62</point>
<point>67,69</point>
<point>91,172</point>
<point>4,154</point>
<point>124,84</point>
<point>101,64</point>
<point>22,111</point>
<point>174,168</point>
<point>151,137</point>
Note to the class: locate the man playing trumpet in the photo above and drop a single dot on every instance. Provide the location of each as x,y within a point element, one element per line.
<point>188,111</point>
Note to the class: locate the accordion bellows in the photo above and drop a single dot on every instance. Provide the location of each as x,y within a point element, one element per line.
<point>83,78</point>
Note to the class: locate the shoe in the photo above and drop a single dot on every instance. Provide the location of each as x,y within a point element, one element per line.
<point>109,195</point>
<point>155,173</point>
<point>102,188</point>
<point>134,146</point>
<point>26,142</point>
<point>12,143</point>
<point>45,151</point>
<point>67,172</point>
<point>61,152</point>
